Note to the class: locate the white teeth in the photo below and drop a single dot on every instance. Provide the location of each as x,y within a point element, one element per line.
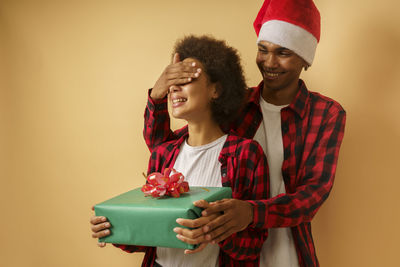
<point>179,100</point>
<point>271,74</point>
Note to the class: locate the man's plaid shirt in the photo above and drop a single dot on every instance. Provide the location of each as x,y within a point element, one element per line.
<point>312,132</point>
<point>244,169</point>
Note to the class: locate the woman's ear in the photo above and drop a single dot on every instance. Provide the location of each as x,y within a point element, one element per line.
<point>215,91</point>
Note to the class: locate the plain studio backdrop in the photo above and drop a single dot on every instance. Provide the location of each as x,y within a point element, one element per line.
<point>74,77</point>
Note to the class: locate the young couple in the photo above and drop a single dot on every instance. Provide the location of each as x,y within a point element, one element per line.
<point>268,220</point>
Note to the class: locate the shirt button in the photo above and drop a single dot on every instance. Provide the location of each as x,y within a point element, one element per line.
<point>223,174</point>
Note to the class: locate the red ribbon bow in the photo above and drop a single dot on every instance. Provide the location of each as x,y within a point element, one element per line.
<point>170,184</point>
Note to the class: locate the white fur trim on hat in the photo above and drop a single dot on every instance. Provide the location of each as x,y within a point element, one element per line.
<point>290,36</point>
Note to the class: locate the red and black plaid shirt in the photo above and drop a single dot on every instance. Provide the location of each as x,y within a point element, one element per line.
<point>312,131</point>
<point>244,169</point>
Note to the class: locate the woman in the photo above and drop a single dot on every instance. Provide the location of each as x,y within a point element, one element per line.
<point>204,153</point>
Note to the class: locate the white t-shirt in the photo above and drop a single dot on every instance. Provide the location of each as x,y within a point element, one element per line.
<point>279,249</point>
<point>201,167</point>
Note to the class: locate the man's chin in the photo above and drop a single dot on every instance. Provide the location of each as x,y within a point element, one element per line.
<point>272,85</point>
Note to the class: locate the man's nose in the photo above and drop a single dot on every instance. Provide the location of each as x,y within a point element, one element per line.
<point>271,61</point>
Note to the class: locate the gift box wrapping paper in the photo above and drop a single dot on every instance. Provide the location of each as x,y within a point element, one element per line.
<point>147,221</point>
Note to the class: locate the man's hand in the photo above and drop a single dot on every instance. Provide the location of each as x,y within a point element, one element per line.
<point>236,216</point>
<point>177,73</point>
<point>195,235</point>
<point>100,228</point>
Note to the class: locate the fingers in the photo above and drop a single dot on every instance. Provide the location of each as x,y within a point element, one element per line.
<point>199,222</point>
<point>192,234</point>
<point>225,233</point>
<point>182,73</point>
<point>178,81</point>
<point>200,248</point>
<point>97,219</point>
<point>101,234</point>
<point>201,204</point>
<point>192,241</point>
<point>101,244</point>
<point>100,226</point>
<point>179,73</point>
<point>218,223</point>
<point>176,58</point>
<point>217,228</point>
<point>217,207</point>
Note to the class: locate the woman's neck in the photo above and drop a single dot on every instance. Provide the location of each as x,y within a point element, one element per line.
<point>204,132</point>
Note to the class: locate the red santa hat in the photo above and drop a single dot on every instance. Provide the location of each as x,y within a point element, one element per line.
<point>294,24</point>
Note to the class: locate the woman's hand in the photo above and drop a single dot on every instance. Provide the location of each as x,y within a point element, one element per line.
<point>100,228</point>
<point>177,73</point>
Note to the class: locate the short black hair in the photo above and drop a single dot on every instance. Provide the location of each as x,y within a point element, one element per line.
<point>222,65</point>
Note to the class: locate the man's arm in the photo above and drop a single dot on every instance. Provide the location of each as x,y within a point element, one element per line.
<point>288,210</point>
<point>246,242</point>
<point>156,118</point>
<point>156,122</point>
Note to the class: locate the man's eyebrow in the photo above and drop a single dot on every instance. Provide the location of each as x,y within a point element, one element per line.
<point>283,49</point>
<point>262,46</point>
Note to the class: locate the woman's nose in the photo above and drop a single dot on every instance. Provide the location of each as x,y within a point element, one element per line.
<point>174,88</point>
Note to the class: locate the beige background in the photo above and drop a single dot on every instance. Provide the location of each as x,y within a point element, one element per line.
<point>73,77</point>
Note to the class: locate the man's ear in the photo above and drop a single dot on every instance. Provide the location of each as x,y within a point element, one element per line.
<point>305,65</point>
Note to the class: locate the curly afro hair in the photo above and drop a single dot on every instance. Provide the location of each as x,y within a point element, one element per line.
<point>222,65</point>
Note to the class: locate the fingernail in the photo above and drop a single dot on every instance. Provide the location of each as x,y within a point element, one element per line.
<point>178,236</point>
<point>107,231</point>
<point>204,213</point>
<point>196,74</point>
<point>208,237</point>
<point>176,229</point>
<point>103,219</point>
<point>179,220</point>
<point>189,79</point>
<point>107,224</point>
<point>193,64</point>
<point>206,228</point>
<point>199,70</point>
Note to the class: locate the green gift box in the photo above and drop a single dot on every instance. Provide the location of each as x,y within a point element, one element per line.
<point>147,221</point>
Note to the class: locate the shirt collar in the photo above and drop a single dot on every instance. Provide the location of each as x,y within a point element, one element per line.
<point>228,150</point>
<point>298,104</point>
<point>301,99</point>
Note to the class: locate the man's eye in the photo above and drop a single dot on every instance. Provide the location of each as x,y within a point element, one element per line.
<point>285,53</point>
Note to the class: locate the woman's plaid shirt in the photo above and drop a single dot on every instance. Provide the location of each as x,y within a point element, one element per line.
<point>312,132</point>
<point>244,169</point>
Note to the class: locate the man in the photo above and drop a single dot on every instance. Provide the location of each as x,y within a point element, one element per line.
<point>300,132</point>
